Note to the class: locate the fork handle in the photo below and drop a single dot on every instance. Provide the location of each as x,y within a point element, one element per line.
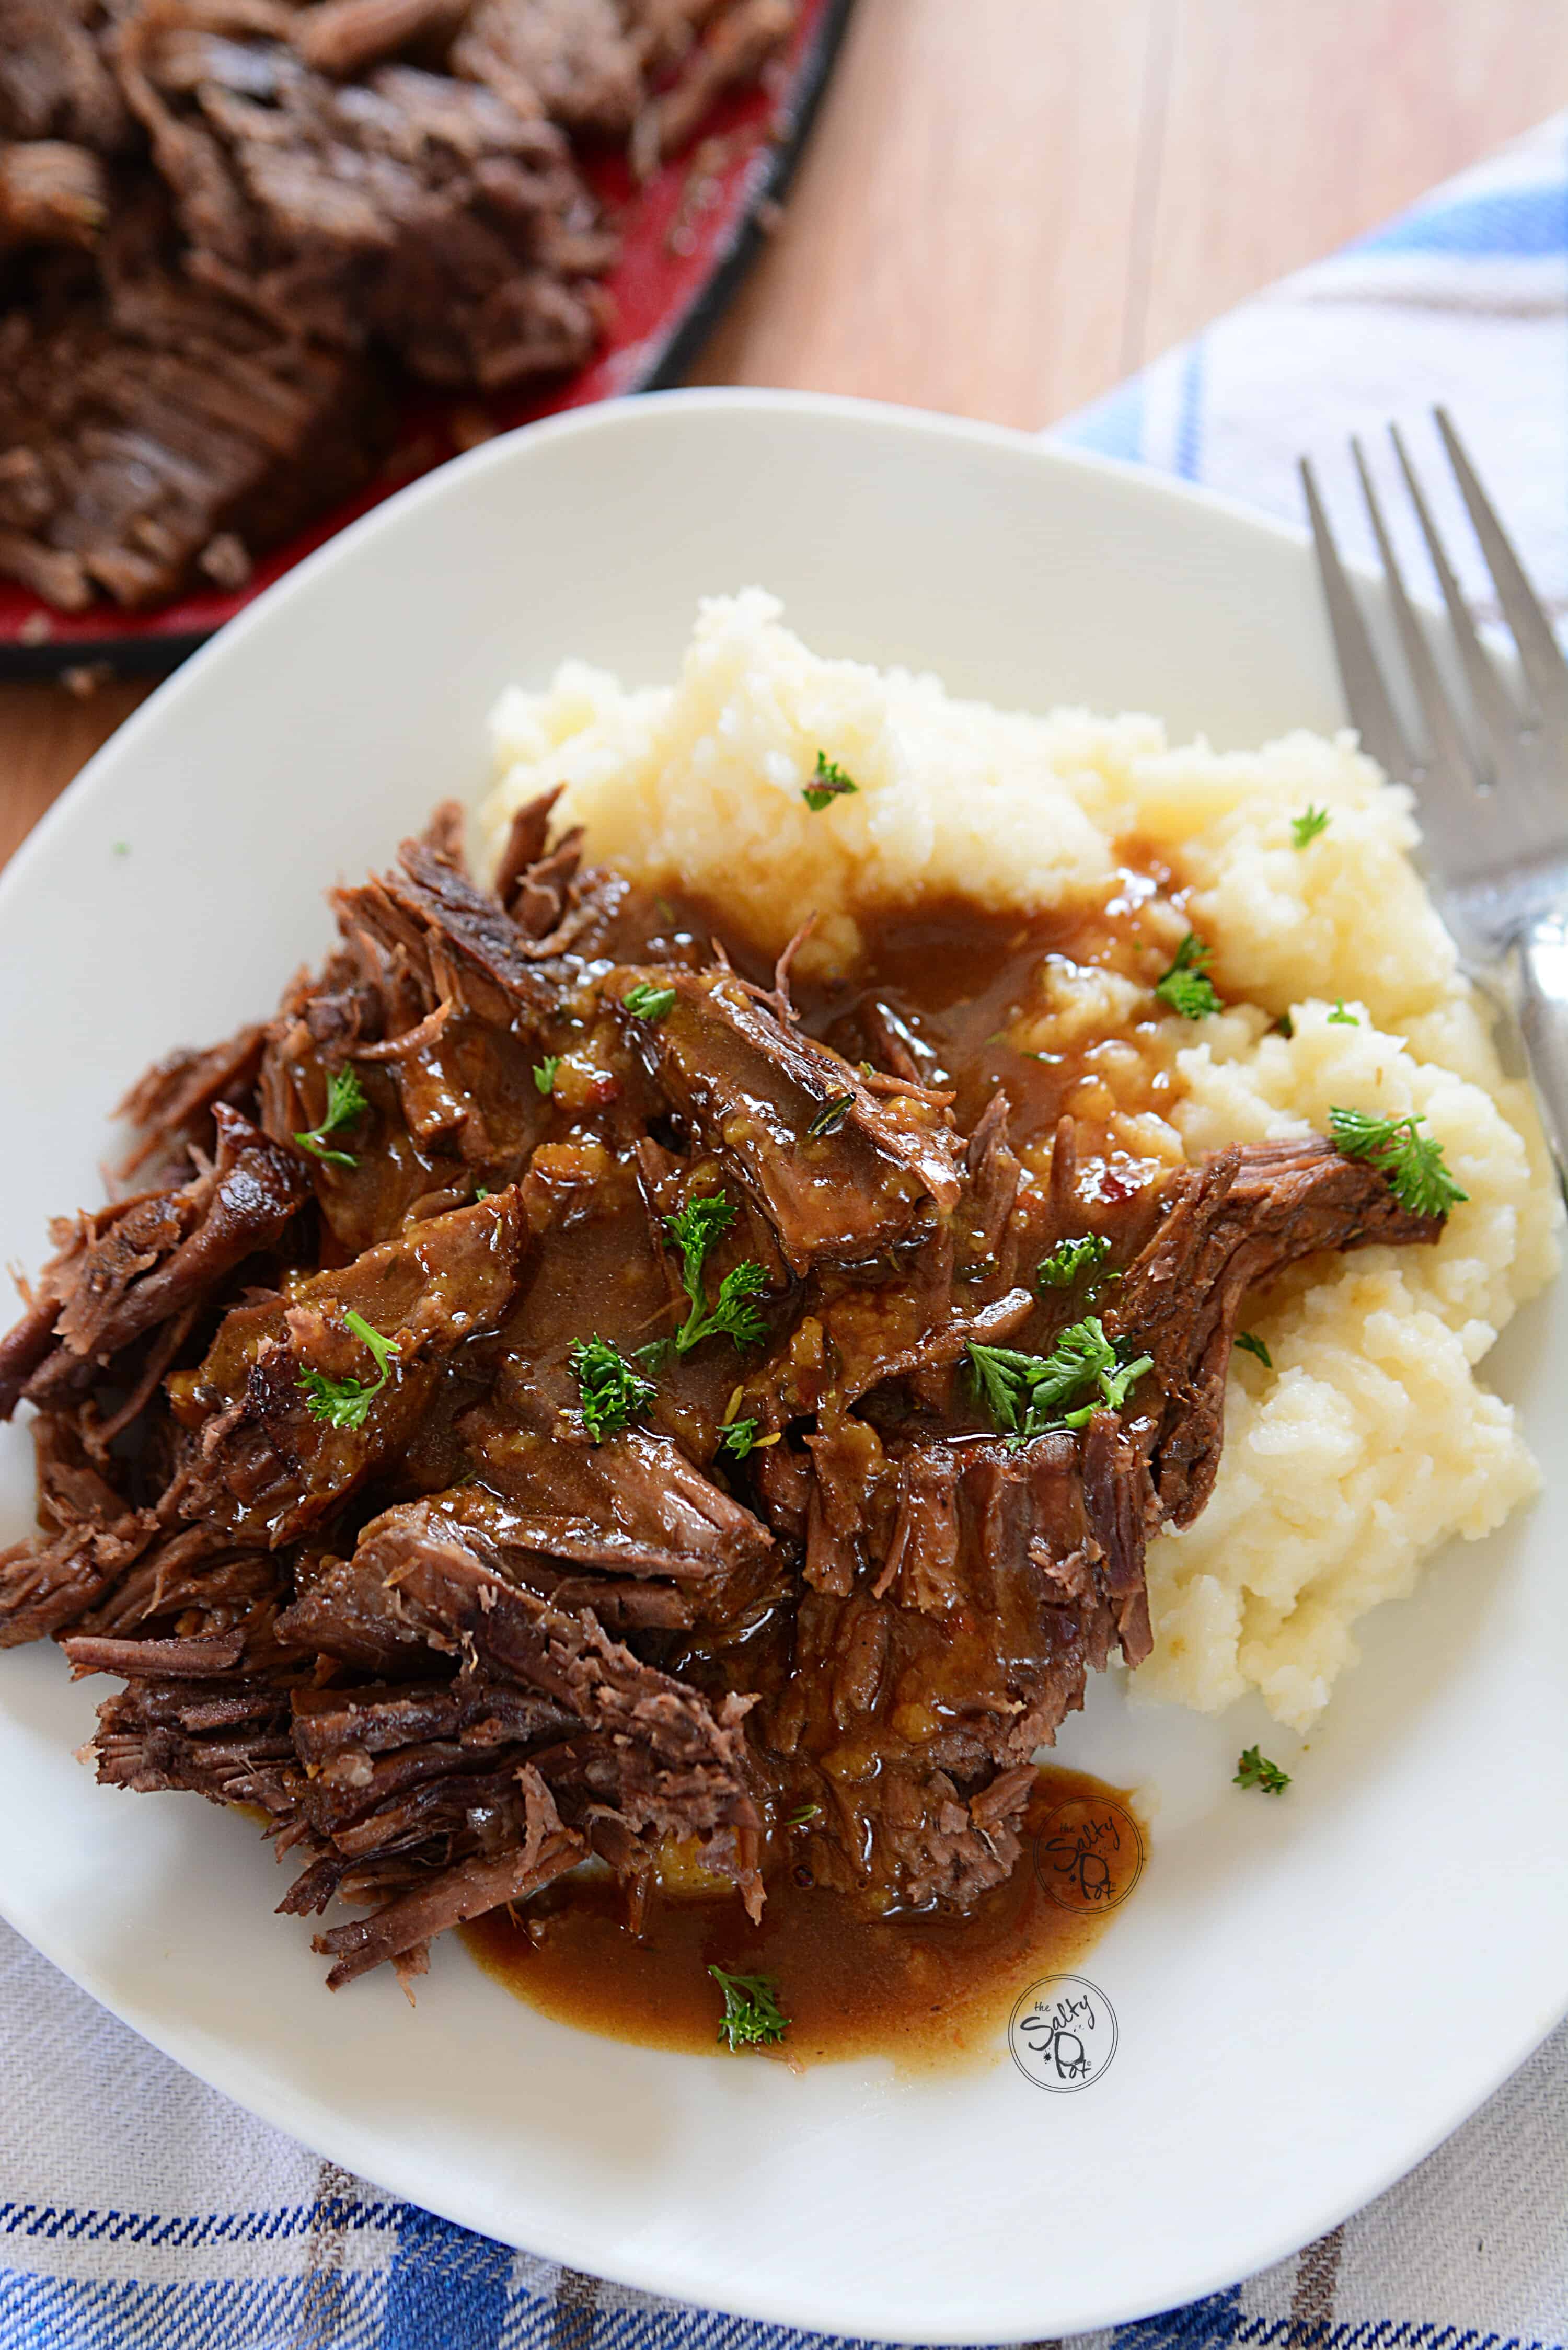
<point>1543,1018</point>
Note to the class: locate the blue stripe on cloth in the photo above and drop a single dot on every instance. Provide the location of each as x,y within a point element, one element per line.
<point>1189,420</point>
<point>447,2286</point>
<point>44,2314</point>
<point>1212,2325</point>
<point>1113,426</point>
<point>1513,223</point>
<point>188,2228</point>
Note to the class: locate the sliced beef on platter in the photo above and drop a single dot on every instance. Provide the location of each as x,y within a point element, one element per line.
<point>51,193</point>
<point>577,60</point>
<point>153,433</point>
<point>321,1483</point>
<point>736,45</point>
<point>648,69</point>
<point>57,78</point>
<point>276,216</point>
<point>420,209</point>
<point>341,38</point>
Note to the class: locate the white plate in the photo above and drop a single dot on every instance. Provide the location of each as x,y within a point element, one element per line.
<point>1310,1993</point>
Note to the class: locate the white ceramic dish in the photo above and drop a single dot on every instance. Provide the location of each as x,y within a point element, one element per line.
<point>1310,1995</point>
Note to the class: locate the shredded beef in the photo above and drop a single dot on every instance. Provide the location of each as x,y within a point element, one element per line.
<point>408,206</point>
<point>148,426</point>
<point>319,1481</point>
<point>56,77</point>
<point>233,232</point>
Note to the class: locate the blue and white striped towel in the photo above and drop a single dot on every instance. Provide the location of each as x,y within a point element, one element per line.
<point>138,2208</point>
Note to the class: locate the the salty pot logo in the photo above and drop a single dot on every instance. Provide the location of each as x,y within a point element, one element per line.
<point>1089,1854</point>
<point>1063,2033</point>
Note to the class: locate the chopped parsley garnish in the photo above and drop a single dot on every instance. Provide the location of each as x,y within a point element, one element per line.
<point>346,1403</point>
<point>612,1392</point>
<point>828,784</point>
<point>1184,986</point>
<point>545,1074</point>
<point>802,1817</point>
<point>831,1116</point>
<point>647,1002</point>
<point>739,1437</point>
<point>1340,1018</point>
<point>1255,1769</point>
<point>1251,1344</point>
<point>1306,826</point>
<point>1069,1259</point>
<point>347,1102</point>
<point>1284,1025</point>
<point>656,1354</point>
<point>734,1314</point>
<point>1413,1162</point>
<point>1115,1387</point>
<point>694,1230</point>
<point>752,2016</point>
<point>1022,1392</point>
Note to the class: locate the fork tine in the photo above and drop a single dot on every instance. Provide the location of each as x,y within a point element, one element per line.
<point>1539,650</point>
<point>1499,718</point>
<point>1382,736</point>
<point>1447,763</point>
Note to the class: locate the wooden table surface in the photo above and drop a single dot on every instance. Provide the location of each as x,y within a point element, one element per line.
<point>1009,204</point>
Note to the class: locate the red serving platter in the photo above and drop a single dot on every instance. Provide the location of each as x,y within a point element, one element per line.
<point>687,237</point>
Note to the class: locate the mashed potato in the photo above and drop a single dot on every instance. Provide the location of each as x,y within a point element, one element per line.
<point>1371,1440</point>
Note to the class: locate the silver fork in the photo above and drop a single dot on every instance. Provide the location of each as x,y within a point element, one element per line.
<point>1492,785</point>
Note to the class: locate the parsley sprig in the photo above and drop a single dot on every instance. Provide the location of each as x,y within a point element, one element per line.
<point>739,1437</point>
<point>734,1314</point>
<point>1412,1161</point>
<point>545,1074</point>
<point>347,1102</point>
<point>346,1403</point>
<point>1184,986</point>
<point>1255,1769</point>
<point>752,2016</point>
<point>828,784</point>
<point>1251,1344</point>
<point>646,1002</point>
<point>1025,1393</point>
<point>612,1392</point>
<point>1306,826</point>
<point>1069,1259</point>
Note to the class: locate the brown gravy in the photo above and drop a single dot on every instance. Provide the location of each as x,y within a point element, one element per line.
<point>932,1991</point>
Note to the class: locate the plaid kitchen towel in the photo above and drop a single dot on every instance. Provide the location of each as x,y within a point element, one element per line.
<point>185,2225</point>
